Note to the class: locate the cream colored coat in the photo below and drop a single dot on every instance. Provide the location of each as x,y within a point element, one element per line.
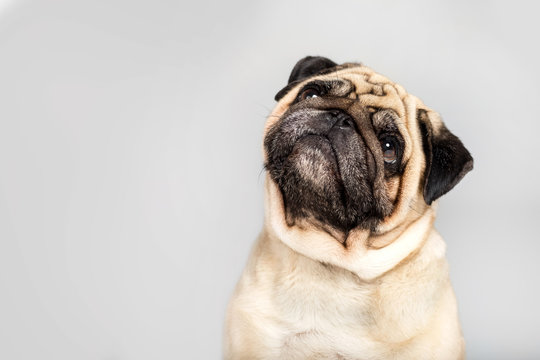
<point>381,295</point>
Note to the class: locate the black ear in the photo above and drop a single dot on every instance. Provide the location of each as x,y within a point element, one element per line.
<point>447,160</point>
<point>306,67</point>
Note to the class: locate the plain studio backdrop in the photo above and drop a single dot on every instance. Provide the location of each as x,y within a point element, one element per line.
<point>131,178</point>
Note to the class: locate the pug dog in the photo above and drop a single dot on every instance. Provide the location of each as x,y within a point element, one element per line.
<point>348,264</point>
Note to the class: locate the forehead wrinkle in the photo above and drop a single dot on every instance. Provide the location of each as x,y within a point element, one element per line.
<point>385,119</point>
<point>364,80</point>
<point>335,86</point>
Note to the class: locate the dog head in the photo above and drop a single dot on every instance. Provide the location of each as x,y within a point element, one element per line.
<point>347,150</point>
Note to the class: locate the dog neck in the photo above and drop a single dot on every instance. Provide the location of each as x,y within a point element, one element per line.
<point>364,253</point>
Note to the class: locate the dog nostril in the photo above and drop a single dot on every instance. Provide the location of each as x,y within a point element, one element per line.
<point>340,119</point>
<point>335,113</point>
<point>344,122</point>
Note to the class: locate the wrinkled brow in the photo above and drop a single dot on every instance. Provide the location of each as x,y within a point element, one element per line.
<point>333,87</point>
<point>386,120</point>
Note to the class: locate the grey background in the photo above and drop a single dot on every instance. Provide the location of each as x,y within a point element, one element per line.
<point>131,168</point>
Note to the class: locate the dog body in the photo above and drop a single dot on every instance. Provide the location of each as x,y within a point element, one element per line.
<point>348,265</point>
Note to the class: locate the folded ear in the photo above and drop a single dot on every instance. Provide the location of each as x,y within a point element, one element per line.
<point>306,67</point>
<point>447,160</point>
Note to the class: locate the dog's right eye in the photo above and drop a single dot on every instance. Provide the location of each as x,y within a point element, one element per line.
<point>390,150</point>
<point>309,93</point>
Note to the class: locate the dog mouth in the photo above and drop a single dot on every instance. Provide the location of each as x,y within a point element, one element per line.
<point>317,155</point>
<point>320,134</point>
<point>323,167</point>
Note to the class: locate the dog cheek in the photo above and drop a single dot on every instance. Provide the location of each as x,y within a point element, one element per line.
<point>310,164</point>
<point>392,188</point>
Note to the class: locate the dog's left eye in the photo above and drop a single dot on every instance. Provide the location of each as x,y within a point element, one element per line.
<point>390,150</point>
<point>309,93</point>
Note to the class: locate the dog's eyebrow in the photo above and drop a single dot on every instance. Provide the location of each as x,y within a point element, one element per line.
<point>385,119</point>
<point>334,87</point>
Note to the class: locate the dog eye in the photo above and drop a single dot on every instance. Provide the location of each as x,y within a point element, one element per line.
<point>389,148</point>
<point>309,93</point>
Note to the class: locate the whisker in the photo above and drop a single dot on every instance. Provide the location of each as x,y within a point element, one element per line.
<point>263,170</point>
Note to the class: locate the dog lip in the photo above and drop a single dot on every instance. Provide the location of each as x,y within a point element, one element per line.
<point>289,136</point>
<point>319,137</point>
<point>335,158</point>
<point>330,152</point>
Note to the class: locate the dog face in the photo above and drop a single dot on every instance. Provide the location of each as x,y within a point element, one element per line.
<point>349,149</point>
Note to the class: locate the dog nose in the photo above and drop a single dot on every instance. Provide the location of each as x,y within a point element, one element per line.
<point>342,119</point>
